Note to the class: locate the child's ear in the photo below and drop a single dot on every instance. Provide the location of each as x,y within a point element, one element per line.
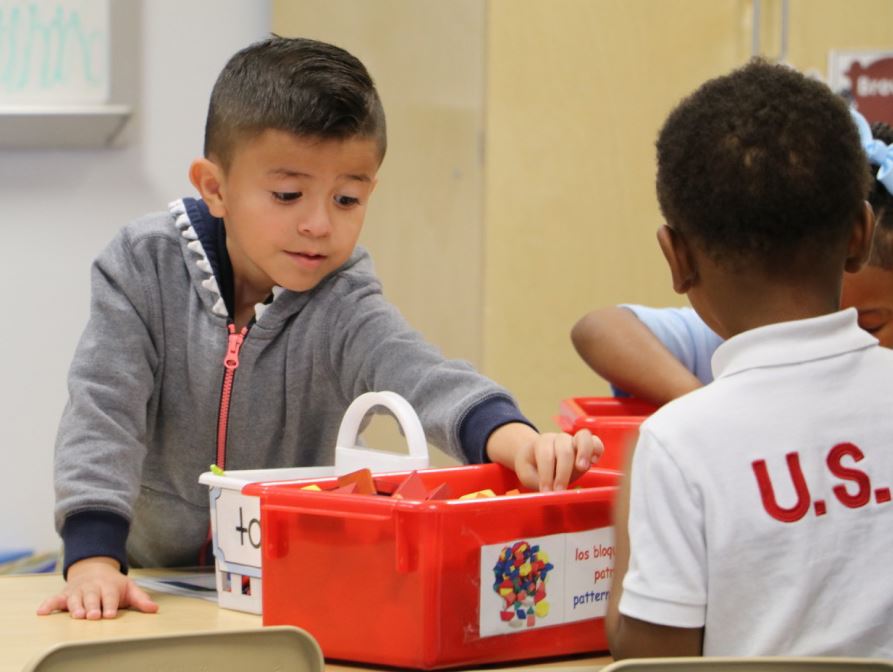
<point>679,259</point>
<point>207,177</point>
<point>859,246</point>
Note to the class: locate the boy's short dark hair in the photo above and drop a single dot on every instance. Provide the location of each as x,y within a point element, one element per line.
<point>302,86</point>
<point>763,170</point>
<point>882,203</point>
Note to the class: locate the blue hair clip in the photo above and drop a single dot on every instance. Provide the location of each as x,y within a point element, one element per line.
<point>879,153</point>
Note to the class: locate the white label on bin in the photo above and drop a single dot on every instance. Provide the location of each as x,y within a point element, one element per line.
<point>238,527</point>
<point>537,582</point>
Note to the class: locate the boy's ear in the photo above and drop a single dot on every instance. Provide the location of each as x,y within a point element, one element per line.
<point>207,177</point>
<point>859,246</point>
<point>679,259</point>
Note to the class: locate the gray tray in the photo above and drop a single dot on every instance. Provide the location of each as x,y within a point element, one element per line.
<point>279,649</point>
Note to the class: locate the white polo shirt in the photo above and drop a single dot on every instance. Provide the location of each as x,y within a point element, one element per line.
<point>721,537</point>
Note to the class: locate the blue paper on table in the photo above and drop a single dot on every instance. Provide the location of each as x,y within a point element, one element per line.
<point>13,554</point>
<point>199,584</point>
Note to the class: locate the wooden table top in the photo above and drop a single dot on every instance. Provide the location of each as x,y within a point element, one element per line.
<point>24,634</point>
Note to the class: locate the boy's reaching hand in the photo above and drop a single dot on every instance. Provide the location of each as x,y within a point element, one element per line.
<point>544,462</point>
<point>95,589</point>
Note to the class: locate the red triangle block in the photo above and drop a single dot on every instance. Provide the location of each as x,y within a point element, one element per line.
<point>442,491</point>
<point>412,487</point>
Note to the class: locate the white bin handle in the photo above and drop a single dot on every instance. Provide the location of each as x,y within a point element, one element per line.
<point>350,458</point>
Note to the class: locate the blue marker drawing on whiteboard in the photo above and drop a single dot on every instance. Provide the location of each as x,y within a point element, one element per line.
<point>52,51</point>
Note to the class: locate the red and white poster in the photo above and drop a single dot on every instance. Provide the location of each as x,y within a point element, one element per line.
<point>866,79</point>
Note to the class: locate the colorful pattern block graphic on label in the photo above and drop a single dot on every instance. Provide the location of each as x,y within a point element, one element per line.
<point>521,574</point>
<point>537,582</point>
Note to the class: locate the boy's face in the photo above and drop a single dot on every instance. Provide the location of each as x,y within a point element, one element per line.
<point>870,291</point>
<point>294,207</point>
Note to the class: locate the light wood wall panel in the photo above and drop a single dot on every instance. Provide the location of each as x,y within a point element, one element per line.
<point>577,90</point>
<point>518,191</point>
<point>424,226</point>
<point>576,93</point>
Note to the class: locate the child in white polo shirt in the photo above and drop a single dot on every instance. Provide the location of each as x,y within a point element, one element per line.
<point>757,510</point>
<point>658,354</point>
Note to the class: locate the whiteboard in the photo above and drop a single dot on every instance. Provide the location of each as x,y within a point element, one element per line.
<point>54,52</point>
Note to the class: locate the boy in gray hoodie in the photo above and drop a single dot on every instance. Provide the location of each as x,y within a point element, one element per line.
<point>236,329</point>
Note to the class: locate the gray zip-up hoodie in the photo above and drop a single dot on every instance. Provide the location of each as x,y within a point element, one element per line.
<point>145,388</point>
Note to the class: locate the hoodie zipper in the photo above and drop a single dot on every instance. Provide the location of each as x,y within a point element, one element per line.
<point>230,364</point>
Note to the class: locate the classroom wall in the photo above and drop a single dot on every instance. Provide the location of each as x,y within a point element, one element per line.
<point>516,195</point>
<point>423,227</point>
<point>518,190</point>
<point>61,207</point>
<point>576,93</point>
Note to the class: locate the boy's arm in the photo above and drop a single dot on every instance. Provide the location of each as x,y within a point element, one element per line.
<point>544,462</point>
<point>95,588</point>
<point>96,585</point>
<point>496,431</point>
<point>630,637</point>
<point>622,350</point>
<point>100,445</point>
<point>466,414</point>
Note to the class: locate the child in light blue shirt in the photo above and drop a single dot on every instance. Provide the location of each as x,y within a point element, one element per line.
<point>658,354</point>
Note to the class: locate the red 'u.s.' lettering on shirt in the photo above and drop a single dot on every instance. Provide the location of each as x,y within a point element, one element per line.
<point>834,462</point>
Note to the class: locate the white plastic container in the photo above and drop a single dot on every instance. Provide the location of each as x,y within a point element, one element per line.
<point>235,518</point>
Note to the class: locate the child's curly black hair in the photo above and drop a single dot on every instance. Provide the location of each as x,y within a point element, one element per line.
<point>762,169</point>
<point>882,203</point>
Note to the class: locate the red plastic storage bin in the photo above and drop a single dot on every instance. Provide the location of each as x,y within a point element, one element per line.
<point>416,583</point>
<point>615,420</point>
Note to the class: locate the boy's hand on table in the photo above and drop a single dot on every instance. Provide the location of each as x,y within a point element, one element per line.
<point>544,462</point>
<point>95,589</point>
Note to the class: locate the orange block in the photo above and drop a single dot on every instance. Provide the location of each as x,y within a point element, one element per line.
<point>363,480</point>
<point>385,487</point>
<point>480,494</point>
